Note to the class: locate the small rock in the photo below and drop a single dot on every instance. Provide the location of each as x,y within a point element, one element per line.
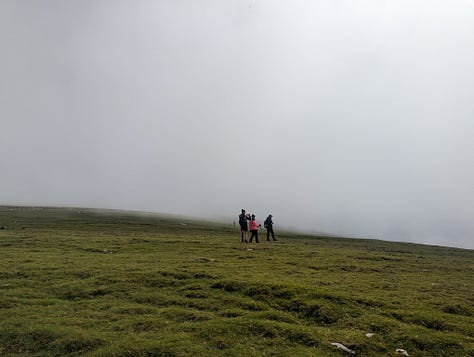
<point>370,334</point>
<point>401,352</point>
<point>342,347</point>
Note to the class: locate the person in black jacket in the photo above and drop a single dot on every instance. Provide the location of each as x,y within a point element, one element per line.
<point>244,225</point>
<point>268,224</point>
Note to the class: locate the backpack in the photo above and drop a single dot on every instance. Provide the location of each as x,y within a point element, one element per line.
<point>266,224</point>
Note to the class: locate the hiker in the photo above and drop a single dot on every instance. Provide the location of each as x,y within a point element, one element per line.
<point>268,224</point>
<point>244,225</point>
<point>254,229</point>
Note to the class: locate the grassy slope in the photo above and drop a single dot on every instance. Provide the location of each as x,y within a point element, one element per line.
<point>76,282</point>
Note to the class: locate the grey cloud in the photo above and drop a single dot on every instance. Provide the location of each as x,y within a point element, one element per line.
<point>335,117</point>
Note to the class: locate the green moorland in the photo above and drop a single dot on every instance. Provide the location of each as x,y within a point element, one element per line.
<point>113,283</point>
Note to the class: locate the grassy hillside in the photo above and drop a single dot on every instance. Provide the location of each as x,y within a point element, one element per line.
<point>111,283</point>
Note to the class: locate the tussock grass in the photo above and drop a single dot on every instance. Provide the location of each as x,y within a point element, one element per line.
<point>112,283</point>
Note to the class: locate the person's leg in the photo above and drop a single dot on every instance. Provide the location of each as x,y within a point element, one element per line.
<point>268,234</point>
<point>273,235</point>
<point>244,233</point>
<point>251,236</point>
<point>256,236</point>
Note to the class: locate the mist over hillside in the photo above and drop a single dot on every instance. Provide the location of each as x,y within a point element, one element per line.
<point>341,117</point>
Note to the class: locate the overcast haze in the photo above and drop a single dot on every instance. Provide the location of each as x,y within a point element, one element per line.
<point>349,117</point>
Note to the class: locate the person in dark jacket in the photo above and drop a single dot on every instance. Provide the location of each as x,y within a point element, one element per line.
<point>268,224</point>
<point>244,225</point>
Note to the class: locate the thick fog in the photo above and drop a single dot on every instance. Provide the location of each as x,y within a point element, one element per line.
<point>351,118</point>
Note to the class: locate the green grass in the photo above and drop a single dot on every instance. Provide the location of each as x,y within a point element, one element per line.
<point>111,283</point>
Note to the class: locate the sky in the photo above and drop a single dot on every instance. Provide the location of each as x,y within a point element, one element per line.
<point>353,118</point>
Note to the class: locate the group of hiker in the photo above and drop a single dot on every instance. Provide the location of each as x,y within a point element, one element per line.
<point>248,223</point>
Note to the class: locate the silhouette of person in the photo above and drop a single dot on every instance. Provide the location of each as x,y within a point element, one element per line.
<point>244,225</point>
<point>268,224</point>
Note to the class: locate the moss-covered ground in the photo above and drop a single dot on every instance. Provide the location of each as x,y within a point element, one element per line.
<point>112,283</point>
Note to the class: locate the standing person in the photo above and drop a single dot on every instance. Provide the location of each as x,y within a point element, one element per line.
<point>268,224</point>
<point>254,229</point>
<point>244,225</point>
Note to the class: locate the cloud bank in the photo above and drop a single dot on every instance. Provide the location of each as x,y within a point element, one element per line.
<point>352,119</point>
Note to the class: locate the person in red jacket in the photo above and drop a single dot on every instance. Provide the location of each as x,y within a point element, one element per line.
<point>254,229</point>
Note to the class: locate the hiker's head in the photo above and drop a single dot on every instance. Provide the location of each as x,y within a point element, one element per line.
<point>253,216</point>
<point>243,211</point>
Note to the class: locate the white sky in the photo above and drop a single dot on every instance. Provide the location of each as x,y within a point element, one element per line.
<point>348,117</point>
